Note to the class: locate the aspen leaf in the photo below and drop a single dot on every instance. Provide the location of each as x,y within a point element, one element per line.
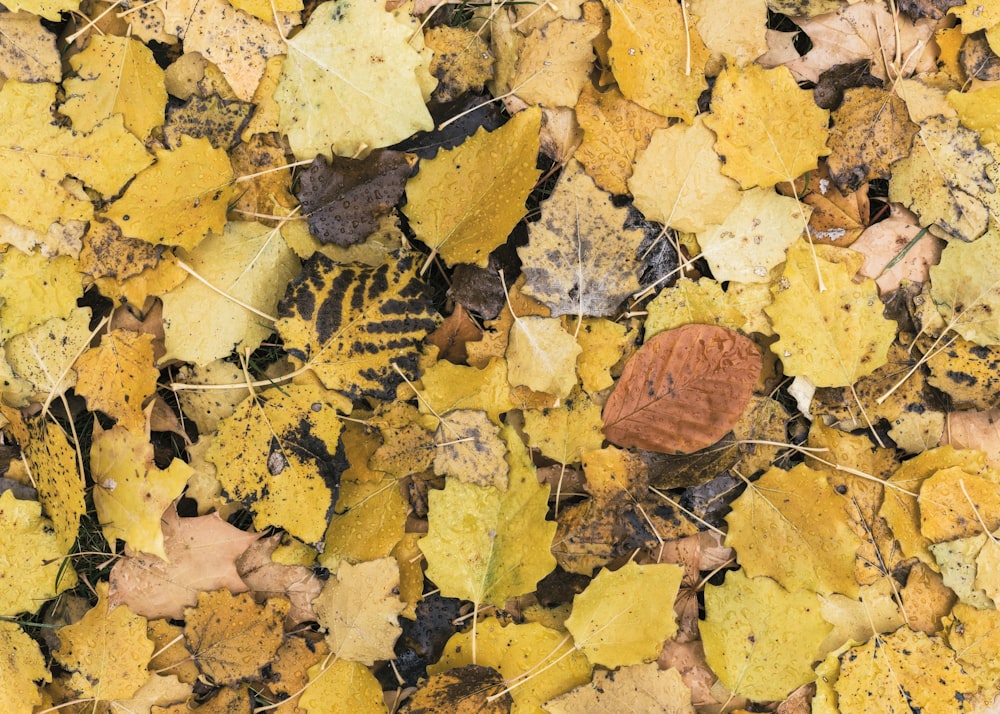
<point>25,666</point>
<point>946,512</point>
<point>615,130</point>
<point>975,635</point>
<point>541,355</point>
<point>464,690</point>
<point>44,354</point>
<point>350,684</point>
<point>28,52</point>
<point>115,75</point>
<point>60,486</point>
<point>657,57</point>
<point>352,81</point>
<point>130,492</point>
<point>554,61</point>
<point>487,545</point>
<point>623,616</point>
<point>118,376</point>
<point>833,336</point>
<point>350,323</point>
<point>582,258</point>
<point>978,110</point>
<point>370,520</point>
<point>520,652</point>
<point>462,61</point>
<point>107,650</point>
<point>734,30</point>
<point>179,199</point>
<point>470,449</point>
<point>759,638</point>
<point>949,179</point>
<point>965,287</point>
<point>754,236</point>
<point>793,526</point>
<point>35,572</point>
<point>768,129</point>
<point>563,433</point>
<point>898,667</point>
<point>678,180</point>
<point>683,390</point>
<point>248,267</point>
<point>450,386</point>
<point>34,289</point>
<point>688,302</point>
<point>465,201</point>
<point>231,637</point>
<point>359,610</point>
<point>604,343</point>
<point>639,687</point>
<point>276,455</point>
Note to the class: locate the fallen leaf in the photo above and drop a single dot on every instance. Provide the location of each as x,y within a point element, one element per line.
<point>230,637</point>
<point>464,690</point>
<point>554,61</point>
<point>462,61</point>
<point>640,686</point>
<point>760,638</point>
<point>27,51</point>
<point>683,390</point>
<point>469,448</point>
<point>214,118</point>
<point>25,667</point>
<point>464,202</point>
<point>370,520</point>
<point>332,103</point>
<point>349,684</point>
<point>768,130</point>
<point>977,110</point>
<point>688,302</point>
<point>541,355</point>
<point>61,489</point>
<point>582,257</point>
<point>737,31</point>
<point>563,433</point>
<point>359,611</point>
<point>965,288</point>
<point>266,578</point>
<point>118,377</point>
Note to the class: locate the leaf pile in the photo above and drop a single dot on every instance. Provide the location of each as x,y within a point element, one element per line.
<point>514,357</point>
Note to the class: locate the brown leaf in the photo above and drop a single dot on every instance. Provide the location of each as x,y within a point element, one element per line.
<point>683,390</point>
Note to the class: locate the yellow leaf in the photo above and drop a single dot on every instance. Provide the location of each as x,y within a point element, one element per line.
<point>231,637</point>
<point>979,111</point>
<point>115,75</point>
<point>582,257</point>
<point>472,689</point>
<point>39,154</point>
<point>640,687</point>
<point>350,323</point>
<point>35,571</point>
<point>554,61</point>
<point>794,527</point>
<point>462,61</point>
<point>563,433</point>
<point>975,635</point>
<point>350,684</point>
<point>966,373</point>
<point>275,454</point>
<point>603,344</point>
<point>759,638</point>
<point>623,616</point>
<point>657,57</point>
<point>240,50</point>
<point>949,179</point>
<point>871,130</point>
<point>741,35</point>
<point>615,130</point>
<point>60,487</point>
<point>541,355</point>
<point>835,334</point>
<point>107,651</point>
<point>25,665</point>
<point>359,609</point>
<point>768,129</point>
<point>754,236</point>
<point>31,54</point>
<point>34,289</point>
<point>908,669</point>
<point>678,180</point>
<point>469,448</point>
<point>966,289</point>
<point>130,492</point>
<point>43,355</point>
<point>118,376</point>
<point>370,520</point>
<point>688,302</point>
<point>352,81</point>
<point>520,653</point>
<point>485,545</point>
<point>956,560</point>
<point>179,199</point>
<point>464,202</point>
<point>953,501</point>
<point>248,266</point>
<point>448,386</point>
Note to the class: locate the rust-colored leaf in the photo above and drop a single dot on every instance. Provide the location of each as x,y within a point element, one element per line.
<point>683,390</point>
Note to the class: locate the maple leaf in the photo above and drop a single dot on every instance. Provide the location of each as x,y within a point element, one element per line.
<point>107,650</point>
<point>35,572</point>
<point>464,202</point>
<point>683,390</point>
<point>349,324</point>
<point>582,255</point>
<point>487,545</point>
<point>359,610</point>
<point>331,103</point>
<point>768,130</point>
<point>276,455</point>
